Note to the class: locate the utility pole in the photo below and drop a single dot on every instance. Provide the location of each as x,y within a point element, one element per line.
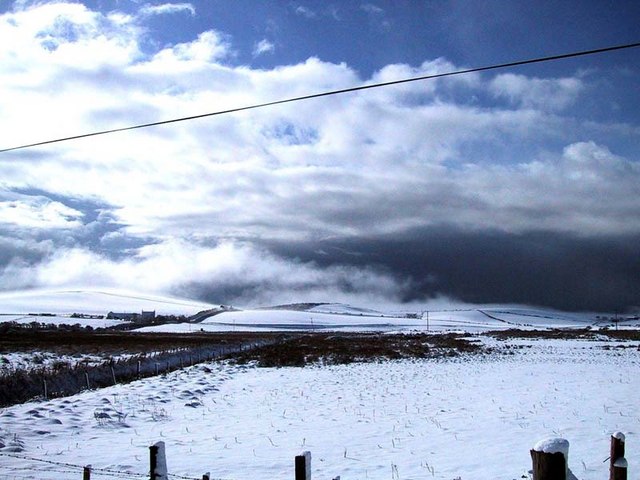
<point>427,312</point>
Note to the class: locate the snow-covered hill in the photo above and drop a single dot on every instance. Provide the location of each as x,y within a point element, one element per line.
<point>60,304</point>
<point>337,317</point>
<point>95,302</point>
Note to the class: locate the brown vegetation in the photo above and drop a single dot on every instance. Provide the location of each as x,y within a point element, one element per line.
<point>567,334</point>
<point>342,348</point>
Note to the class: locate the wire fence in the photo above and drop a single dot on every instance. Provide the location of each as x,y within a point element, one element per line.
<point>43,469</point>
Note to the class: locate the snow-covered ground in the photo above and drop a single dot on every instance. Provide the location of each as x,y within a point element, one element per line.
<point>27,361</point>
<point>60,304</point>
<point>469,417</point>
<point>97,302</point>
<point>335,317</point>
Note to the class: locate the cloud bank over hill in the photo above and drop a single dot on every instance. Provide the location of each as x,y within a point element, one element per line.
<point>479,188</point>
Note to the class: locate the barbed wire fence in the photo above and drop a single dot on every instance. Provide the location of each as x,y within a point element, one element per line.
<point>74,471</point>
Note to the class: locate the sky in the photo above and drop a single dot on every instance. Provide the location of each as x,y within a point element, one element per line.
<point>518,186</point>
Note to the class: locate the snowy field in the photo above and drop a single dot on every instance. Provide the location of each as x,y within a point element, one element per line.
<point>469,418</point>
<point>65,302</point>
<point>60,304</point>
<point>335,317</point>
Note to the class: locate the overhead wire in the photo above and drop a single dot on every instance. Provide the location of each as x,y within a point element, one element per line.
<point>329,93</point>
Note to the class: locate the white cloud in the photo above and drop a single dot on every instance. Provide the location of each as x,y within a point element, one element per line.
<point>262,47</point>
<point>167,8</point>
<point>175,265</point>
<point>305,11</point>
<point>40,213</point>
<point>372,9</point>
<point>377,15</point>
<point>545,93</point>
<point>209,47</point>
<point>370,163</point>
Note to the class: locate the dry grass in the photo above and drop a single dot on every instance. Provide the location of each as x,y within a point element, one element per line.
<point>331,349</point>
<point>567,334</point>
<point>117,343</point>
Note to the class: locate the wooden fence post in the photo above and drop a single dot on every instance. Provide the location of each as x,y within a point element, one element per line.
<point>157,462</point>
<point>618,464</point>
<point>138,369</point>
<point>303,466</point>
<point>550,459</point>
<point>86,377</point>
<point>113,375</point>
<point>46,393</point>
<point>86,473</point>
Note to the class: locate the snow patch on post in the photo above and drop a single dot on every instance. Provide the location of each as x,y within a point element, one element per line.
<point>619,435</point>
<point>553,445</point>
<point>621,463</point>
<point>550,459</point>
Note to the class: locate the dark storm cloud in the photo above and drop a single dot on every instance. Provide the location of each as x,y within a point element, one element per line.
<point>225,293</point>
<point>29,252</point>
<point>555,270</point>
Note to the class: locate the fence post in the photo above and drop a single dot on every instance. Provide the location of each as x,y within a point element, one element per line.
<point>138,369</point>
<point>157,462</point>
<point>550,459</point>
<point>303,466</point>
<point>46,393</point>
<point>86,473</point>
<point>618,464</point>
<point>113,375</point>
<point>86,376</point>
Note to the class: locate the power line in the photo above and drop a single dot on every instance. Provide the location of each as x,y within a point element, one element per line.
<point>332,92</point>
